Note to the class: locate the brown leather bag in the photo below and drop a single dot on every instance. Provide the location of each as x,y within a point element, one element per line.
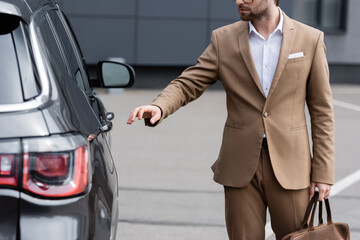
<point>328,231</point>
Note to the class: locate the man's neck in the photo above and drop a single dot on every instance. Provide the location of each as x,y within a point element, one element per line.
<point>268,23</point>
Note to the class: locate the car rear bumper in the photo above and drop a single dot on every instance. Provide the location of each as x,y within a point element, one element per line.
<point>23,216</point>
<point>54,219</point>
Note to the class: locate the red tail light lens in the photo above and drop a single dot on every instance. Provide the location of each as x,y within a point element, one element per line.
<point>52,165</point>
<point>56,174</point>
<point>6,163</point>
<point>7,170</point>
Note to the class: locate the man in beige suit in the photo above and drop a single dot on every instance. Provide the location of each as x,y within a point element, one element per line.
<point>270,67</point>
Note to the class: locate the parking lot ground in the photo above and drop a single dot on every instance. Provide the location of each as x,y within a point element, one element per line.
<point>166,186</point>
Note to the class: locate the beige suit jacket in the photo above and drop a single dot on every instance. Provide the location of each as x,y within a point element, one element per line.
<point>297,81</point>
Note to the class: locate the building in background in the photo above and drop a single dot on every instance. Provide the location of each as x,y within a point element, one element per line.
<point>170,34</point>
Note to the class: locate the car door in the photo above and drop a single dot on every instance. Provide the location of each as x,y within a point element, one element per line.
<point>74,84</point>
<point>79,75</point>
<point>71,78</point>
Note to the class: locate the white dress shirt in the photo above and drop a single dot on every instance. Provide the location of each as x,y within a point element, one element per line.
<point>265,53</point>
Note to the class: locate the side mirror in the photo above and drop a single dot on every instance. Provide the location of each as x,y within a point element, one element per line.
<point>115,75</point>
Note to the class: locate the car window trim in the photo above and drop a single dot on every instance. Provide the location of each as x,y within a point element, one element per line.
<point>58,43</point>
<point>45,94</point>
<point>75,48</point>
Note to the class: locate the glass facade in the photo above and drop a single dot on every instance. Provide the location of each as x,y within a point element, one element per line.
<point>327,15</point>
<point>145,33</point>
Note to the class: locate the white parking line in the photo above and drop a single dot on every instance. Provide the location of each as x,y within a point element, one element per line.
<point>340,185</point>
<point>335,190</point>
<point>346,105</point>
<point>345,183</point>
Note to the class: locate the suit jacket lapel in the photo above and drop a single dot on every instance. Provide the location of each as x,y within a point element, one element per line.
<point>286,46</point>
<point>244,46</point>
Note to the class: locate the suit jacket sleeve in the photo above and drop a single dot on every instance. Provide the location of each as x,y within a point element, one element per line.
<point>191,83</point>
<point>319,102</point>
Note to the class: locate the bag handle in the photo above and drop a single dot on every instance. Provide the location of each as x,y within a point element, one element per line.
<point>311,224</point>
<point>328,211</point>
<point>321,221</point>
<point>311,209</point>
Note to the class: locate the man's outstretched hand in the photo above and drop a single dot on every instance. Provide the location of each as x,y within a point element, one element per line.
<point>148,111</point>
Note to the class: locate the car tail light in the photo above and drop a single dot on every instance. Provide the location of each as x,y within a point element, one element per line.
<point>7,170</point>
<point>56,175</point>
<point>58,169</point>
<point>6,165</point>
<point>52,166</point>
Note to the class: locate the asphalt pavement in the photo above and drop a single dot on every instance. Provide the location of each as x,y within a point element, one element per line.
<point>166,186</point>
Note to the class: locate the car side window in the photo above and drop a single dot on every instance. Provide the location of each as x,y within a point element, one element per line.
<point>10,82</point>
<point>18,81</point>
<point>30,81</point>
<point>71,54</point>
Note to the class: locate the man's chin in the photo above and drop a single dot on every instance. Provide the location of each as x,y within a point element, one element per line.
<point>245,17</point>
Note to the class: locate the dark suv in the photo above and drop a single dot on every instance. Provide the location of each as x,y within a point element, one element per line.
<point>54,183</point>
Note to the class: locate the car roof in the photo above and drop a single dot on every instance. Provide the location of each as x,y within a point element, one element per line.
<point>21,8</point>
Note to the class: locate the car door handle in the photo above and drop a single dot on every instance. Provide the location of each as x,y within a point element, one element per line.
<point>106,127</point>
<point>110,116</point>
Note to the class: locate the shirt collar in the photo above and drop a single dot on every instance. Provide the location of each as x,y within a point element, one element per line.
<point>278,28</point>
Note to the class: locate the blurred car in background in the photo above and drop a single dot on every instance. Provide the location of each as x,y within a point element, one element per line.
<point>54,183</point>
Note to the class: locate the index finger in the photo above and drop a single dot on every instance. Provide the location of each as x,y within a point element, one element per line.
<point>132,116</point>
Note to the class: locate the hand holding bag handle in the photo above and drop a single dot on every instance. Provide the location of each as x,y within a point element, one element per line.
<point>328,231</point>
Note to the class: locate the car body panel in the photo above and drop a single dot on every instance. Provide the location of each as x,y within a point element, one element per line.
<point>69,110</point>
<point>9,207</point>
<point>17,8</point>
<point>35,4</point>
<point>23,122</point>
<point>54,219</point>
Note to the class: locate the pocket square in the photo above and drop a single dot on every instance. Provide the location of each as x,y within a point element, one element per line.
<point>296,55</point>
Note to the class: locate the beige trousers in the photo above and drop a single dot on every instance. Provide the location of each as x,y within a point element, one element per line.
<point>245,208</point>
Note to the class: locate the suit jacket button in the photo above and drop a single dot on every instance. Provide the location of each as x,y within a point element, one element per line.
<point>265,114</point>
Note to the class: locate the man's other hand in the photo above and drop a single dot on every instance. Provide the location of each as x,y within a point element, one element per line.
<point>148,111</point>
<point>324,190</point>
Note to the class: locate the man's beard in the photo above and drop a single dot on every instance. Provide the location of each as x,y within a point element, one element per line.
<point>254,16</point>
